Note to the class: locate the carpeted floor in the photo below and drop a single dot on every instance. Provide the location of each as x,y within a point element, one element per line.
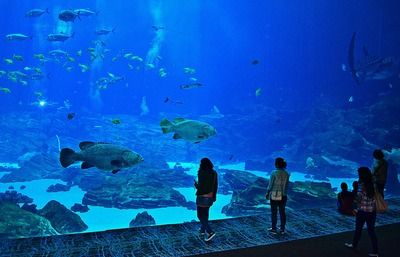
<point>311,232</point>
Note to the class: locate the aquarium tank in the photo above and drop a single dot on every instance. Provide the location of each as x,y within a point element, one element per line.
<point>107,107</point>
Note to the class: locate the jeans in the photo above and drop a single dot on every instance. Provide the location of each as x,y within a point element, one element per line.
<point>380,188</point>
<point>203,214</point>
<point>369,218</point>
<point>274,212</point>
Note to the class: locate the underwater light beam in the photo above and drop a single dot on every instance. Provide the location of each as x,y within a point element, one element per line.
<point>152,56</point>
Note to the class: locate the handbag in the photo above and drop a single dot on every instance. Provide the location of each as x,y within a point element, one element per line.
<point>204,201</point>
<point>276,195</point>
<point>381,204</point>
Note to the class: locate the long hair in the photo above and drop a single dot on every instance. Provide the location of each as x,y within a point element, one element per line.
<point>206,164</point>
<point>365,177</point>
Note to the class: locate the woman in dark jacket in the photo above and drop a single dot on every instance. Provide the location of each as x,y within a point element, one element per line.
<point>206,195</point>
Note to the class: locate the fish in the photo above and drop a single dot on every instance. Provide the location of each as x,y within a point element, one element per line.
<point>85,12</point>
<point>169,100</point>
<point>18,57</point>
<point>36,12</point>
<point>157,28</point>
<point>17,37</point>
<point>188,70</point>
<point>370,67</point>
<point>68,15</point>
<point>214,114</point>
<point>70,115</point>
<point>116,121</point>
<point>5,90</point>
<point>59,37</point>
<point>189,130</point>
<point>351,99</point>
<point>104,31</point>
<point>191,85</point>
<point>58,53</point>
<point>69,69</point>
<point>79,53</point>
<point>258,91</point>
<point>8,61</point>
<point>255,62</point>
<point>23,82</point>
<point>162,72</point>
<point>137,58</point>
<point>39,56</point>
<point>84,67</point>
<point>104,156</point>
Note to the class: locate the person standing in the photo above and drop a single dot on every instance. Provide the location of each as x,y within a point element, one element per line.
<point>345,200</point>
<point>277,194</point>
<point>366,210</point>
<point>206,195</point>
<point>379,171</point>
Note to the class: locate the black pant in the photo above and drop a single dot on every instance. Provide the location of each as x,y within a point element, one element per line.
<point>203,214</point>
<point>369,218</point>
<point>274,212</point>
<point>380,187</point>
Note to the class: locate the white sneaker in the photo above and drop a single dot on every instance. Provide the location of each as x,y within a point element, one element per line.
<point>349,245</point>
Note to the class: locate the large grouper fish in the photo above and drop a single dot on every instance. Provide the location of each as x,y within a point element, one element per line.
<point>103,156</point>
<point>190,130</point>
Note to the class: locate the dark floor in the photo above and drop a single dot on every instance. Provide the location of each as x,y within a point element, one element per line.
<point>311,232</point>
<point>324,246</point>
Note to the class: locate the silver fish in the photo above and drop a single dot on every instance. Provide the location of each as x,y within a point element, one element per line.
<point>104,31</point>
<point>36,12</point>
<point>17,37</point>
<point>59,37</point>
<point>85,12</point>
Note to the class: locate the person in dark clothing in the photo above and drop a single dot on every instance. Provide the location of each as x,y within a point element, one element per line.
<point>345,201</point>
<point>379,171</point>
<point>277,194</point>
<point>366,212</point>
<point>206,195</point>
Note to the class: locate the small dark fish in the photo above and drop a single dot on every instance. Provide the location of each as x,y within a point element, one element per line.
<point>157,28</point>
<point>255,62</point>
<point>36,12</point>
<point>68,15</point>
<point>231,157</point>
<point>116,121</point>
<point>70,115</point>
<point>101,32</point>
<point>59,37</point>
<point>192,85</point>
<point>169,100</point>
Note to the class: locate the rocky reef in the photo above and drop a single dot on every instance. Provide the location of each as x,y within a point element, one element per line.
<point>79,208</point>
<point>16,222</point>
<point>142,219</point>
<point>62,220</point>
<point>250,197</point>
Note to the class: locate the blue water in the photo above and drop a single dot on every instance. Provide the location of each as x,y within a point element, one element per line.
<point>276,60</point>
